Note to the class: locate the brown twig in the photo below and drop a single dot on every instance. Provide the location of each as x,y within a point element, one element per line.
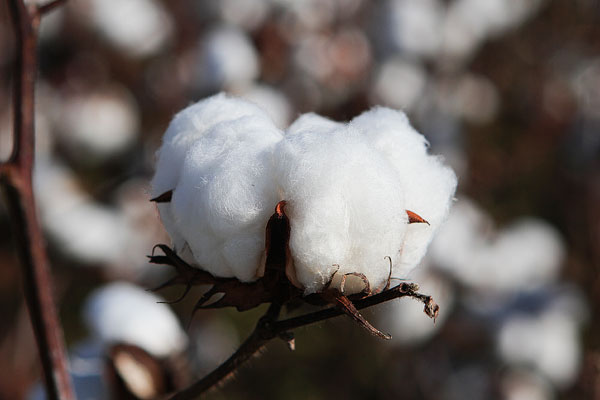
<point>268,328</point>
<point>16,180</point>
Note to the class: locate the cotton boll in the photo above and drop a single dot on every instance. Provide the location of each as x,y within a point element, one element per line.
<point>399,84</point>
<point>466,229</point>
<point>274,102</point>
<point>124,313</point>
<point>97,125</point>
<point>523,256</point>
<point>411,26</point>
<point>428,184</point>
<point>472,97</point>
<point>248,14</point>
<point>548,342</point>
<point>341,195</point>
<point>345,193</point>
<point>226,195</point>
<point>227,60</point>
<point>86,231</point>
<point>140,28</point>
<point>520,384</point>
<point>186,128</point>
<point>528,254</point>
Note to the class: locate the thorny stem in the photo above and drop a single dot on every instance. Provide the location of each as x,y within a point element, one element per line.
<point>16,180</point>
<point>268,328</point>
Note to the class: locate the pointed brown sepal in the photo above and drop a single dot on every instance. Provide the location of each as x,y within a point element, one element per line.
<point>233,293</point>
<point>344,304</point>
<point>163,198</point>
<point>186,274</point>
<point>415,218</point>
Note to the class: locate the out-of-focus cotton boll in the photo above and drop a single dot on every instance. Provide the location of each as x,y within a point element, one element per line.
<point>469,22</point>
<point>124,313</point>
<point>337,61</point>
<point>466,228</point>
<point>526,254</point>
<point>586,85</point>
<point>86,231</point>
<point>472,97</point>
<point>247,14</point>
<point>523,256</point>
<point>548,342</point>
<point>307,15</point>
<point>428,184</point>
<point>227,59</point>
<point>405,319</point>
<point>520,384</point>
<point>410,26</point>
<point>97,125</point>
<point>139,28</point>
<point>274,102</point>
<point>398,84</point>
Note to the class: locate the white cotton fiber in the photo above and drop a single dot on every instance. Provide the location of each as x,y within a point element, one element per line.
<point>124,313</point>
<point>428,184</point>
<point>188,127</point>
<point>347,187</point>
<point>226,195</point>
<point>345,204</point>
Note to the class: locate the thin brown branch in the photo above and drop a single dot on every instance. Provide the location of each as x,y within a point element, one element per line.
<point>268,328</point>
<point>16,181</point>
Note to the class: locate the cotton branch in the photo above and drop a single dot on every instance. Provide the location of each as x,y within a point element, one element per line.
<point>269,328</point>
<point>16,181</point>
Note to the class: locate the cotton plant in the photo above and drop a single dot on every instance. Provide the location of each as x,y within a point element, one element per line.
<point>324,211</point>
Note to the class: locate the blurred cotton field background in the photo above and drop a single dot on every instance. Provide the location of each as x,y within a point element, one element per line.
<point>508,91</point>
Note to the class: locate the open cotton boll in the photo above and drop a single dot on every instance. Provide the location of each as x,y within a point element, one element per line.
<point>427,183</point>
<point>226,195</point>
<point>345,204</point>
<point>347,192</point>
<point>187,127</point>
<point>124,313</point>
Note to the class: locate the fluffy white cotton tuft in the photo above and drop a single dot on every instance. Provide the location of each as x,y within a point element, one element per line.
<point>428,184</point>
<point>345,203</point>
<point>124,313</point>
<point>215,157</point>
<point>348,187</point>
